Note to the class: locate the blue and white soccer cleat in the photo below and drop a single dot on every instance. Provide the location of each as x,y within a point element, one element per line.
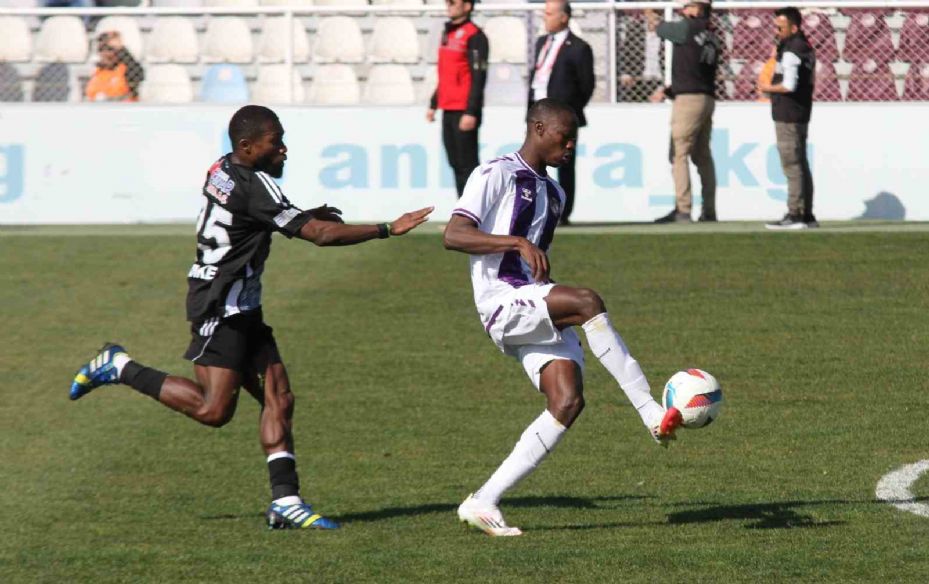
<point>297,516</point>
<point>100,371</point>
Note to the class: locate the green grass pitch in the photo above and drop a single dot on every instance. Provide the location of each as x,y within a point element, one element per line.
<point>404,406</point>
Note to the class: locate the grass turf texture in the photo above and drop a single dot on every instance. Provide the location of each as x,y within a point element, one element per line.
<point>404,406</point>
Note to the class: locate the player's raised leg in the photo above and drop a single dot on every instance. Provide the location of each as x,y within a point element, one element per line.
<point>287,509</point>
<point>570,306</point>
<point>561,382</point>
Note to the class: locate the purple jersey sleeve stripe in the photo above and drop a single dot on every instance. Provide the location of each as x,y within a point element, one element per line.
<point>468,214</point>
<point>552,216</point>
<point>493,319</point>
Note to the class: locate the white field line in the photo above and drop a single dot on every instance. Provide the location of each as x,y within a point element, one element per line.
<point>894,488</point>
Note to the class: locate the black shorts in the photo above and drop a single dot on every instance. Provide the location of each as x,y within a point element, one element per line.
<point>242,342</point>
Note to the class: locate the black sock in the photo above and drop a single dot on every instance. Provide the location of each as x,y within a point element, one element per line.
<point>284,480</point>
<point>143,379</point>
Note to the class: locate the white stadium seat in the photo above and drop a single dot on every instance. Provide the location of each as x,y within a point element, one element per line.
<point>128,29</point>
<point>231,3</point>
<point>338,39</point>
<point>227,40</point>
<point>394,40</point>
<point>174,3</point>
<point>272,46</point>
<point>507,38</point>
<point>172,40</point>
<point>335,85</point>
<point>505,85</point>
<point>166,84</point>
<point>271,86</point>
<point>389,85</point>
<point>340,2</point>
<point>15,40</point>
<point>61,38</point>
<point>293,3</point>
<point>398,2</point>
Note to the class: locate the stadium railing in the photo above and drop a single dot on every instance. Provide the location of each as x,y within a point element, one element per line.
<point>385,53</point>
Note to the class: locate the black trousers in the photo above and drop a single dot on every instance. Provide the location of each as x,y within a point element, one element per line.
<point>460,147</point>
<point>566,180</point>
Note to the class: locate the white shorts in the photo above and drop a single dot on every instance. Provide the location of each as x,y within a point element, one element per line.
<point>518,322</point>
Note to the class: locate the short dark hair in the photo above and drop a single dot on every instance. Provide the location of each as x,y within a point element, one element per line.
<point>791,14</point>
<point>249,122</point>
<point>547,108</point>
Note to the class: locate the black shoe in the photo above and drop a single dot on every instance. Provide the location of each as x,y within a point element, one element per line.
<point>811,222</point>
<point>564,222</point>
<point>789,221</point>
<point>674,216</point>
<point>706,217</point>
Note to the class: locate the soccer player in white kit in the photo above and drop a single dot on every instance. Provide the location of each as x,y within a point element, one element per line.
<point>505,220</point>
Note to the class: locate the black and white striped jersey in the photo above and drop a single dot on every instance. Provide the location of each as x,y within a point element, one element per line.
<point>241,209</point>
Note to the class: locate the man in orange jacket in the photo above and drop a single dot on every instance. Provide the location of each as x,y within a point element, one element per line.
<point>118,74</point>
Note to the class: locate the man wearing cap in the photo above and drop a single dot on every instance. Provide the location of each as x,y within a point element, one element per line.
<point>563,70</point>
<point>693,84</point>
<point>791,91</point>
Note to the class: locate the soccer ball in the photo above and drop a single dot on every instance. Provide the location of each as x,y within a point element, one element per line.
<point>696,395</point>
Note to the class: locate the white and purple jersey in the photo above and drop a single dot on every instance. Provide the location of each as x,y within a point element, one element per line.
<point>507,197</point>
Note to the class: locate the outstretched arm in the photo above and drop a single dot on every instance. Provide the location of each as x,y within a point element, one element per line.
<point>329,229</point>
<point>462,234</point>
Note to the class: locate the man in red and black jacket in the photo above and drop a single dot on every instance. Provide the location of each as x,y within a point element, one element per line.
<point>460,92</point>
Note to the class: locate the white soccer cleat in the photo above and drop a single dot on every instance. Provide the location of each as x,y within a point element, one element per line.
<point>485,517</point>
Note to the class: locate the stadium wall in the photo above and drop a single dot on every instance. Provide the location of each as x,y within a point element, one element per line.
<point>110,164</point>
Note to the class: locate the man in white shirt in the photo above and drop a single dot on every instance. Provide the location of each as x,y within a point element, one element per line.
<point>564,70</point>
<point>506,220</point>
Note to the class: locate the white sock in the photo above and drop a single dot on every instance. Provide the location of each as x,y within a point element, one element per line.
<point>610,349</point>
<point>119,361</point>
<point>291,500</point>
<point>536,442</point>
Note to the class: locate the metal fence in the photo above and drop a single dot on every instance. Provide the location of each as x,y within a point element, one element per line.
<point>384,54</point>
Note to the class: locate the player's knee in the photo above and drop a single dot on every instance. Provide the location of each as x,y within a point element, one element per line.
<point>591,304</point>
<point>569,406</point>
<point>216,417</point>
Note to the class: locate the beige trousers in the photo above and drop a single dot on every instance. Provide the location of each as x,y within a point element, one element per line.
<point>691,127</point>
<point>791,145</point>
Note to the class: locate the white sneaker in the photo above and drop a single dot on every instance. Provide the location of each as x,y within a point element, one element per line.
<point>485,517</point>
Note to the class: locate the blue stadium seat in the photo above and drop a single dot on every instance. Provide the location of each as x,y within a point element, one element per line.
<point>224,83</point>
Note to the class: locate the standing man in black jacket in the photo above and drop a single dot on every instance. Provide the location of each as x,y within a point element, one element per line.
<point>791,91</point>
<point>693,86</point>
<point>563,69</point>
<point>460,93</point>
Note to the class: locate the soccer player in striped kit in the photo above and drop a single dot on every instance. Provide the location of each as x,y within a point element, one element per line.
<point>506,220</point>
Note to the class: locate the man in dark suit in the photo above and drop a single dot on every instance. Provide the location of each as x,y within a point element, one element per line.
<point>563,69</point>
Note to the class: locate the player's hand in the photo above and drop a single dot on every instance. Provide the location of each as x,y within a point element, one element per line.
<point>536,259</point>
<point>409,221</point>
<point>467,123</point>
<point>327,213</point>
<point>430,115</point>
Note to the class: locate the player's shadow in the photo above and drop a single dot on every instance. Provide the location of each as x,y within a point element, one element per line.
<point>780,515</point>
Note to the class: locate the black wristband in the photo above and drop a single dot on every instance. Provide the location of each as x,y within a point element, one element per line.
<point>383,230</point>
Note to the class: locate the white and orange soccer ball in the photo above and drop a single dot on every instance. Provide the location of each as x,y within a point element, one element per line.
<point>696,395</point>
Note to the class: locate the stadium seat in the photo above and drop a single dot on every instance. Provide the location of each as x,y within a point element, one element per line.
<point>394,40</point>
<point>340,2</point>
<point>752,39</point>
<point>174,3</point>
<point>914,38</point>
<point>224,83</point>
<point>746,83</point>
<point>872,81</point>
<point>821,34</point>
<point>868,37</point>
<point>505,85</point>
<point>11,86</point>
<point>508,39</point>
<point>166,84</point>
<point>916,86</point>
<point>827,84</point>
<point>62,39</point>
<point>227,40</point>
<point>398,2</point>
<point>52,83</point>
<point>335,85</point>
<point>292,3</point>
<point>172,40</point>
<point>338,40</point>
<point>25,3</point>
<point>271,86</point>
<point>272,46</point>
<point>231,3</point>
<point>15,40</point>
<point>128,29</point>
<point>389,85</point>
